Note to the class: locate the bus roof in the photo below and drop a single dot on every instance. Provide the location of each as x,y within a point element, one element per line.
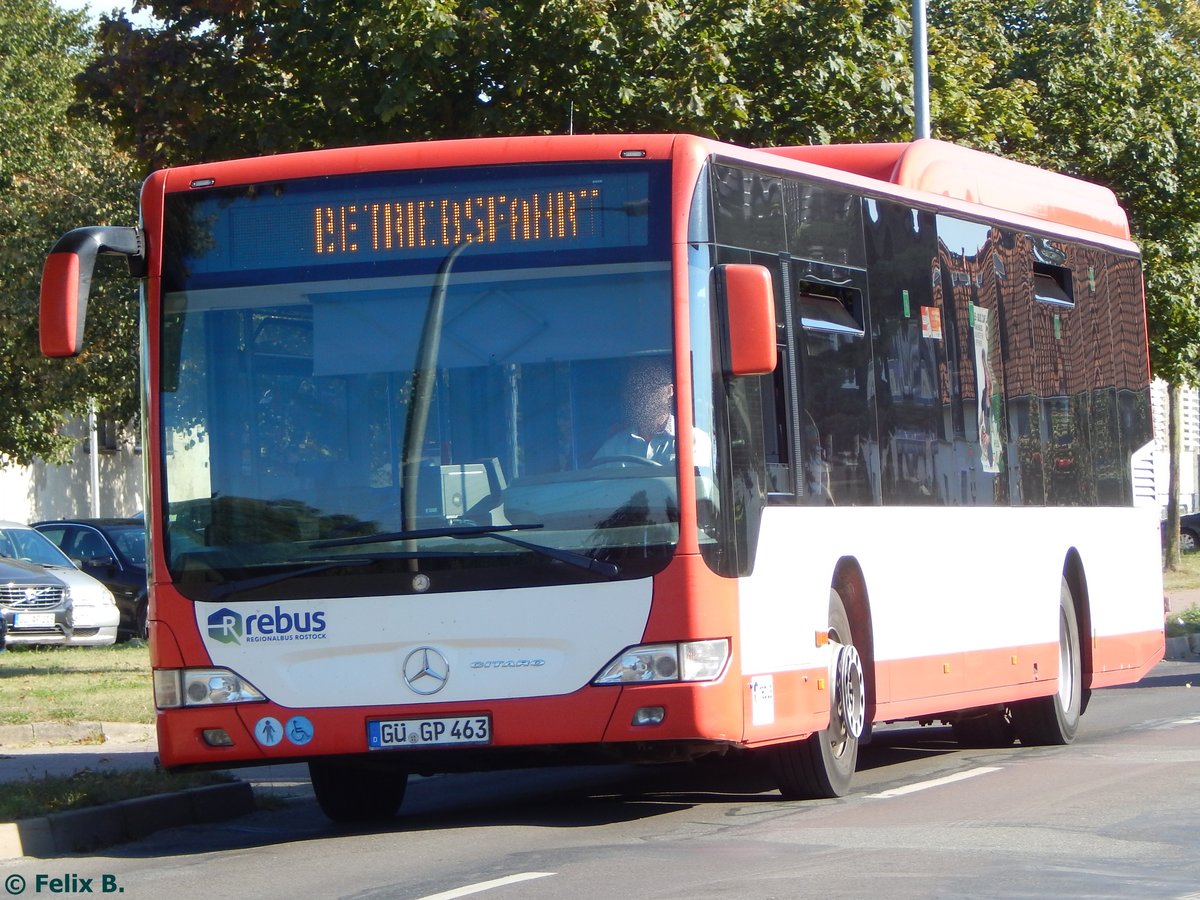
<point>923,166</point>
<point>938,167</point>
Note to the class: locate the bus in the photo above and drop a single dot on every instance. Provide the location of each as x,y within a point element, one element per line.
<point>403,518</point>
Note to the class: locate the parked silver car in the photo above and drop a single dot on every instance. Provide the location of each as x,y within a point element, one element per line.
<point>45,599</point>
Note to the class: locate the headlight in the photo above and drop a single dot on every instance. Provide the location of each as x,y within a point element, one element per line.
<point>687,661</point>
<point>202,687</point>
<point>91,595</point>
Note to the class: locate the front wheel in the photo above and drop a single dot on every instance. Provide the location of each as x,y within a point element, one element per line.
<point>348,791</point>
<point>1055,719</point>
<point>822,766</point>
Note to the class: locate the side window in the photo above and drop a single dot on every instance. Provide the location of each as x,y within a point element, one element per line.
<point>918,411</point>
<point>972,275</point>
<point>833,359</point>
<point>774,390</point>
<point>57,536</point>
<point>90,545</point>
<point>749,444</point>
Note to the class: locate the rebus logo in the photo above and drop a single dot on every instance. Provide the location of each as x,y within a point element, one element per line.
<point>230,627</point>
<point>225,626</point>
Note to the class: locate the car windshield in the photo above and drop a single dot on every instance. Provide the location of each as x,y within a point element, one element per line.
<point>28,545</point>
<point>465,379</point>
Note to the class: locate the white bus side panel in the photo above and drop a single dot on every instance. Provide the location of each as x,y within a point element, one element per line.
<point>944,583</point>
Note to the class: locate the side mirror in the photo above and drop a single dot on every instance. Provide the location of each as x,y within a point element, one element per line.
<point>67,281</point>
<point>750,316</point>
<point>99,562</point>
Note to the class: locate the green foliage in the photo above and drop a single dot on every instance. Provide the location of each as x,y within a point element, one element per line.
<point>1186,622</point>
<point>230,79</point>
<point>55,174</point>
<point>1118,102</point>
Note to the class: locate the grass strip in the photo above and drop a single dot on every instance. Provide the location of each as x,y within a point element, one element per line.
<point>54,793</point>
<point>76,684</point>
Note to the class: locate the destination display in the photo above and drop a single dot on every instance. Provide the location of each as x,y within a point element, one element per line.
<point>405,216</point>
<point>494,218</point>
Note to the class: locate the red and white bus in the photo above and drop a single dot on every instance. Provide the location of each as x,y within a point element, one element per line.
<point>404,519</point>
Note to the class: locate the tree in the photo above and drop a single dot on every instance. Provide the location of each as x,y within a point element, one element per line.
<point>223,78</point>
<point>54,175</point>
<point>1101,88</point>
<point>1108,90</point>
<point>1118,102</point>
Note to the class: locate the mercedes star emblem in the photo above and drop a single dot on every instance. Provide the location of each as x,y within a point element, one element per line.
<point>426,670</point>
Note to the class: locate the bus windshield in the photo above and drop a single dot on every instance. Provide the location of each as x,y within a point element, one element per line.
<point>398,374</point>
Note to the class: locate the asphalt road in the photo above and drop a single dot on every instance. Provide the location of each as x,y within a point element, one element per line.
<point>1115,815</point>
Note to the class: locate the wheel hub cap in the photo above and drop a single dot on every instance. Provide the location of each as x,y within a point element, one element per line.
<point>850,698</point>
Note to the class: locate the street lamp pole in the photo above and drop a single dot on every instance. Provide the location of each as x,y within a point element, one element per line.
<point>920,70</point>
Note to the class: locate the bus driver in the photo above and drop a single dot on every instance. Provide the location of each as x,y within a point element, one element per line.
<point>647,429</point>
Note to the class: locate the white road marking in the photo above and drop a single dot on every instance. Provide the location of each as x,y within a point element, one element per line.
<point>1194,720</point>
<point>936,782</point>
<point>468,889</point>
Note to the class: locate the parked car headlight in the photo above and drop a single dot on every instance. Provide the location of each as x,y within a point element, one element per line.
<point>90,595</point>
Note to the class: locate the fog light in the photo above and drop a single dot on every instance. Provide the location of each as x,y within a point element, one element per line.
<point>649,715</point>
<point>217,737</point>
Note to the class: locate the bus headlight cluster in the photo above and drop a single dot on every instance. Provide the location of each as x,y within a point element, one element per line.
<point>686,661</point>
<point>202,687</point>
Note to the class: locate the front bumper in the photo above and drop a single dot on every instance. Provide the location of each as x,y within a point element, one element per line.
<point>81,627</point>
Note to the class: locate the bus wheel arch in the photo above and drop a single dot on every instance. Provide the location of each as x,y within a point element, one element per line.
<point>1076,578</point>
<point>822,765</point>
<point>1054,720</point>
<point>851,586</point>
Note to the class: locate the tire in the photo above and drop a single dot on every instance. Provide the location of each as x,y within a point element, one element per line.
<point>353,792</point>
<point>989,730</point>
<point>1054,720</point>
<point>1188,541</point>
<point>822,765</point>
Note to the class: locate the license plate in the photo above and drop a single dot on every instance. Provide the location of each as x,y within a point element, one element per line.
<point>436,732</point>
<point>33,620</point>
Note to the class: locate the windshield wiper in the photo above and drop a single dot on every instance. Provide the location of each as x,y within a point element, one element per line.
<point>570,557</point>
<point>224,589</point>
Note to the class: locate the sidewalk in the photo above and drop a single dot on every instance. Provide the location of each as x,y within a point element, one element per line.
<point>53,749</point>
<point>1178,601</point>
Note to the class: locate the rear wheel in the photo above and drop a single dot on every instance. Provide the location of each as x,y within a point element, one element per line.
<point>352,792</point>
<point>822,765</point>
<point>1055,719</point>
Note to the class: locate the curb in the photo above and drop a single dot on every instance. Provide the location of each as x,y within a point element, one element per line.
<point>74,733</point>
<point>81,830</point>
<point>1186,647</point>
